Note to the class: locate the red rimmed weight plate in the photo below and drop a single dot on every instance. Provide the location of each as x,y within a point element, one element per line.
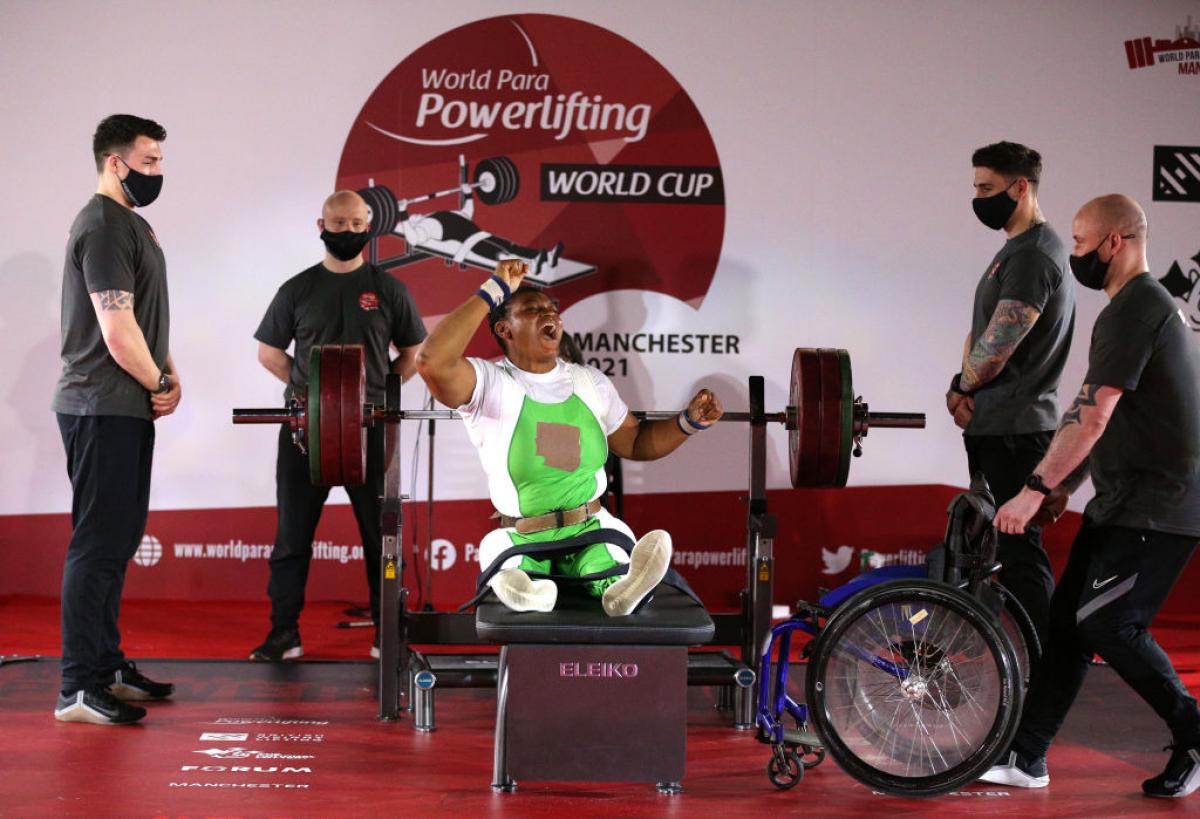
<point>846,420</point>
<point>353,433</point>
<point>805,395</point>
<point>312,415</point>
<point>330,430</point>
<point>830,439</point>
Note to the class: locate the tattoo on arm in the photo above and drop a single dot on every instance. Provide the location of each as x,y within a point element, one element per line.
<point>1011,322</point>
<point>1086,398</point>
<point>115,299</point>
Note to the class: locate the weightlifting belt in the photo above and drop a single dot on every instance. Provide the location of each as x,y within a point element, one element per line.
<point>551,520</point>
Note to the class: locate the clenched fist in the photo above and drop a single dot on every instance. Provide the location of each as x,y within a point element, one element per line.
<point>511,272</point>
<point>705,408</point>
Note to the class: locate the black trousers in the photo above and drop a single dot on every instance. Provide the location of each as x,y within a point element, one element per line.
<point>108,461</point>
<point>1115,582</point>
<point>1006,461</point>
<point>299,505</point>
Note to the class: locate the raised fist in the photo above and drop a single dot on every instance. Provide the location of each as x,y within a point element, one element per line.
<point>511,272</point>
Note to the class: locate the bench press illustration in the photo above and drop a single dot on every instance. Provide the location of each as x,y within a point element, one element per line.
<point>455,236</point>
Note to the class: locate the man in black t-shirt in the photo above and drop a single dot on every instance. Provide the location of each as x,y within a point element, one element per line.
<point>117,378</point>
<point>343,300</point>
<point>1136,426</point>
<point>1005,398</point>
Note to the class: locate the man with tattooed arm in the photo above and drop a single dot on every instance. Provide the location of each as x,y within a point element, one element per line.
<point>1005,398</point>
<point>1135,425</point>
<point>117,379</point>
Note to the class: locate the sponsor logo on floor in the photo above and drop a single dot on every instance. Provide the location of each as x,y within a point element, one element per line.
<point>281,785</point>
<point>247,769</point>
<point>267,721</point>
<point>243,753</point>
<point>992,794</point>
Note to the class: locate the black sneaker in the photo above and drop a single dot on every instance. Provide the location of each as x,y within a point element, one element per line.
<point>1181,776</point>
<point>281,644</point>
<point>96,706</point>
<point>127,683</point>
<point>1019,771</point>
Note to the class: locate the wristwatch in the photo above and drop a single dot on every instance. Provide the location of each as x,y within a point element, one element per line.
<point>164,383</point>
<point>1035,483</point>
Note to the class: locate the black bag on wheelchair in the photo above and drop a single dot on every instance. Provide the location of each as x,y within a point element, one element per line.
<point>967,554</point>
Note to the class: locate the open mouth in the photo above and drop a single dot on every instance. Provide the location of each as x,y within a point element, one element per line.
<point>550,331</point>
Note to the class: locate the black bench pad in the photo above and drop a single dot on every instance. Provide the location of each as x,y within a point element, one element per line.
<point>671,618</point>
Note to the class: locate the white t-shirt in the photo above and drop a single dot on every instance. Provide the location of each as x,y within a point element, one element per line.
<point>494,408</point>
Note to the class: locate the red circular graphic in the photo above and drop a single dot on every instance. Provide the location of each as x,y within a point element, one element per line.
<point>584,155</point>
<point>368,301</point>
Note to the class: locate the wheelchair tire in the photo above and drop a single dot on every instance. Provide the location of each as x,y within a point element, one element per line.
<point>811,757</point>
<point>950,717</point>
<point>785,770</point>
<point>1018,625</point>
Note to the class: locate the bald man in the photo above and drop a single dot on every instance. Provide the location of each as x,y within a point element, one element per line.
<point>342,300</point>
<point>1135,426</point>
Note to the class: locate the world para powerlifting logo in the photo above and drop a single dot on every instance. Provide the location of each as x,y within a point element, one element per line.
<point>1183,51</point>
<point>543,138</point>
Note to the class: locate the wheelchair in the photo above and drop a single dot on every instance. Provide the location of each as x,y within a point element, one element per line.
<point>916,674</point>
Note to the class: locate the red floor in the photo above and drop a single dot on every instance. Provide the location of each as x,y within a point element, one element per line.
<point>228,630</point>
<point>353,765</point>
<point>345,763</point>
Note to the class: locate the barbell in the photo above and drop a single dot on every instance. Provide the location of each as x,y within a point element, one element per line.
<point>496,181</point>
<point>825,421</point>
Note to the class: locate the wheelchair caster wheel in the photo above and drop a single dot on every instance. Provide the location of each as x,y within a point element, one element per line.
<point>811,757</point>
<point>784,769</point>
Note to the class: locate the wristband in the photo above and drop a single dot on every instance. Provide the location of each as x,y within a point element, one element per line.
<point>494,292</point>
<point>687,426</point>
<point>956,385</point>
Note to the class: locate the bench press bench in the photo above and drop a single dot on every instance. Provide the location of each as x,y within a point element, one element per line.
<point>582,696</point>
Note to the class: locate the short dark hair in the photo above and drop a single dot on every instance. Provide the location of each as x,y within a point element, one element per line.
<point>116,134</point>
<point>1010,160</point>
<point>502,312</point>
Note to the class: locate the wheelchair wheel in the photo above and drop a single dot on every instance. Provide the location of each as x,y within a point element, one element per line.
<point>1018,626</point>
<point>913,688</point>
<point>784,769</point>
<point>811,757</point>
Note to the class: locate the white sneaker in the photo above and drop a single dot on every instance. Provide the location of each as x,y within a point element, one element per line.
<point>1018,772</point>
<point>648,563</point>
<point>520,592</point>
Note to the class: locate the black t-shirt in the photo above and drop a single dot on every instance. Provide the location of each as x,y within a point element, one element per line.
<point>1146,465</point>
<point>1030,268</point>
<point>365,306</point>
<point>109,248</point>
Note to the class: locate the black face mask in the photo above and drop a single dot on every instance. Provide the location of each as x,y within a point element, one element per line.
<point>140,189</point>
<point>1089,270</point>
<point>995,210</point>
<point>346,244</point>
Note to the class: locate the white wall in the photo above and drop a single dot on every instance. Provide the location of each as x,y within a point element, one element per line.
<point>844,131</point>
